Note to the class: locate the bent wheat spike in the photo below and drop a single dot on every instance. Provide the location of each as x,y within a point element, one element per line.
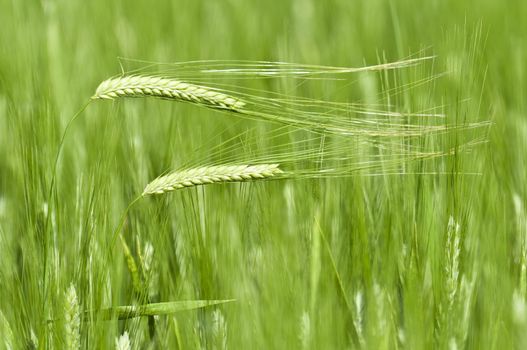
<point>140,86</point>
<point>209,175</point>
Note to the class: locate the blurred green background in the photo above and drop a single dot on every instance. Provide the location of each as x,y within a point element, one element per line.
<point>334,263</point>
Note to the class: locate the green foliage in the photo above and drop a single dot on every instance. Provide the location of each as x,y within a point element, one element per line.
<point>433,258</point>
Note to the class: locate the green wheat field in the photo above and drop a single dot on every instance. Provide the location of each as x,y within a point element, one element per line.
<point>272,174</point>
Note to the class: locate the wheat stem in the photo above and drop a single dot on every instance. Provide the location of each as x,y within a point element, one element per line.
<point>122,221</point>
<point>50,193</point>
<point>61,143</point>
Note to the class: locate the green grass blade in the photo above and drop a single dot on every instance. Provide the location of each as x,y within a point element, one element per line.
<point>157,309</point>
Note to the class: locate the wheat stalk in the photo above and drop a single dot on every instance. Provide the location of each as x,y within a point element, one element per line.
<point>141,86</point>
<point>210,174</point>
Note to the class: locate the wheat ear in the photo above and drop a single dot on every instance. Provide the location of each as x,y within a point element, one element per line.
<point>72,319</point>
<point>140,86</point>
<point>209,175</point>
<point>123,342</point>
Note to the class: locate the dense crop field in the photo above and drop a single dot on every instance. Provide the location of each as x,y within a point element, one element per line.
<point>384,208</point>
